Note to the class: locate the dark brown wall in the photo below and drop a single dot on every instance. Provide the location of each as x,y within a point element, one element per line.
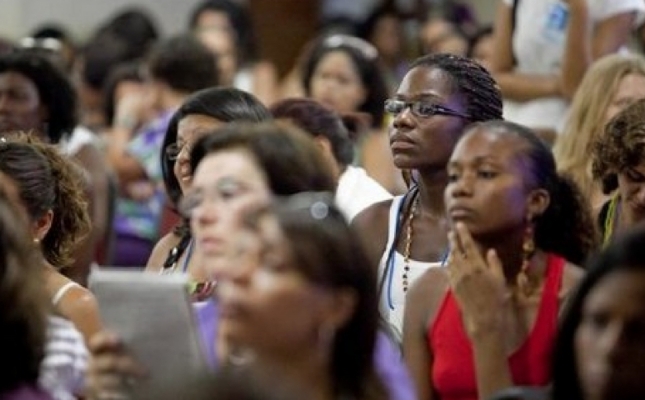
<point>283,27</point>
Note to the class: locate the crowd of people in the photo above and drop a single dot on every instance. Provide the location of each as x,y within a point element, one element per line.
<point>456,217</point>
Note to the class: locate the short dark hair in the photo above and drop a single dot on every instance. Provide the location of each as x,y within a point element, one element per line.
<point>289,158</point>
<point>183,63</point>
<point>627,253</point>
<point>135,27</point>
<point>54,89</point>
<point>364,58</point>
<point>318,120</point>
<point>223,104</point>
<point>480,91</point>
<point>566,227</point>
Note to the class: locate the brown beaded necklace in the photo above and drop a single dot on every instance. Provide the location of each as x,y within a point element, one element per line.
<point>408,244</point>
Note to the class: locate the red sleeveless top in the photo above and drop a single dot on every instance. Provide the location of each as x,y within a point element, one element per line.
<point>453,367</point>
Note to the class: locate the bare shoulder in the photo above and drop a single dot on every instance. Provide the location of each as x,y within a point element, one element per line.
<point>571,276</point>
<point>427,292</point>
<point>80,306</point>
<point>431,284</point>
<point>160,252</point>
<point>371,225</point>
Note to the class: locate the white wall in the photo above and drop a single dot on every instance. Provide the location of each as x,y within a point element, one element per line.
<point>19,17</point>
<point>81,17</point>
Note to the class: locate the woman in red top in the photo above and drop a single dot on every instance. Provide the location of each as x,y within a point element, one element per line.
<point>488,320</point>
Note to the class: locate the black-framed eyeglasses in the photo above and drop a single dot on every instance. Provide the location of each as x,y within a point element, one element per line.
<point>173,150</point>
<point>421,109</point>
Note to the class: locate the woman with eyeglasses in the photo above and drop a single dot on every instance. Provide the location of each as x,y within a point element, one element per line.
<point>198,115</point>
<point>488,320</point>
<point>438,98</point>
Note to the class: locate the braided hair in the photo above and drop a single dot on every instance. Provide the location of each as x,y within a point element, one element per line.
<point>482,94</point>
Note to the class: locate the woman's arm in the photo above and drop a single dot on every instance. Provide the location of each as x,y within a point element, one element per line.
<point>514,86</point>
<point>479,285</point>
<point>416,352</point>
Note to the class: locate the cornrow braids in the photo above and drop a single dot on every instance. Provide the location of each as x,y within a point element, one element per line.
<point>622,145</point>
<point>482,94</point>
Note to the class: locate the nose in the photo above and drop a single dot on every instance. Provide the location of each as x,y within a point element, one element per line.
<point>403,120</point>
<point>204,213</point>
<point>461,186</point>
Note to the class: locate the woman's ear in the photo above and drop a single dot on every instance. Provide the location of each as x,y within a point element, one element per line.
<point>42,225</point>
<point>538,202</point>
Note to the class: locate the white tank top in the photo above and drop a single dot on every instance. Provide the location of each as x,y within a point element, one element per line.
<point>392,301</point>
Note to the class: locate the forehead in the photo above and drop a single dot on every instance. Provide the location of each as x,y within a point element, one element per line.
<point>15,78</point>
<point>426,81</point>
<point>624,288</point>
<point>231,163</point>
<point>197,123</point>
<point>479,143</point>
<point>337,57</point>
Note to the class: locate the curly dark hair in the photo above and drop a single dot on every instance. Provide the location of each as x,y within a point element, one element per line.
<point>621,146</point>
<point>482,94</point>
<point>48,181</point>
<point>566,227</point>
<point>56,92</point>
<point>625,254</point>
<point>22,298</point>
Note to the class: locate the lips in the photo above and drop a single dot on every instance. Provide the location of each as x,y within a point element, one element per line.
<point>211,245</point>
<point>399,141</point>
<point>460,212</point>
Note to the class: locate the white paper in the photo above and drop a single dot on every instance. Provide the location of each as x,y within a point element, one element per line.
<point>153,315</point>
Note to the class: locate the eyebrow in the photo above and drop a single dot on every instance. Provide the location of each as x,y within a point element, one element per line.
<point>422,96</point>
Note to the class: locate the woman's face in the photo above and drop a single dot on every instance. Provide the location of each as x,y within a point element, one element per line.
<point>425,142</point>
<point>608,343</point>
<point>388,37</point>
<point>215,32</point>
<point>270,306</point>
<point>487,188</point>
<point>631,186</point>
<point>630,89</point>
<point>20,106</point>
<point>336,83</point>
<point>189,130</point>
<point>225,186</point>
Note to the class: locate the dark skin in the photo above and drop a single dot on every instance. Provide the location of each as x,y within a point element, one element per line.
<point>425,145</point>
<point>489,198</point>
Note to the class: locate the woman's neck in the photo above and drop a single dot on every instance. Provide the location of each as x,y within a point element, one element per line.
<point>308,375</point>
<point>431,187</point>
<point>509,249</point>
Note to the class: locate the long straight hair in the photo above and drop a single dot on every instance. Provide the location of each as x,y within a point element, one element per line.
<point>586,120</point>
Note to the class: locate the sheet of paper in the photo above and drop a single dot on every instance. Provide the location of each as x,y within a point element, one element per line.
<point>153,315</point>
